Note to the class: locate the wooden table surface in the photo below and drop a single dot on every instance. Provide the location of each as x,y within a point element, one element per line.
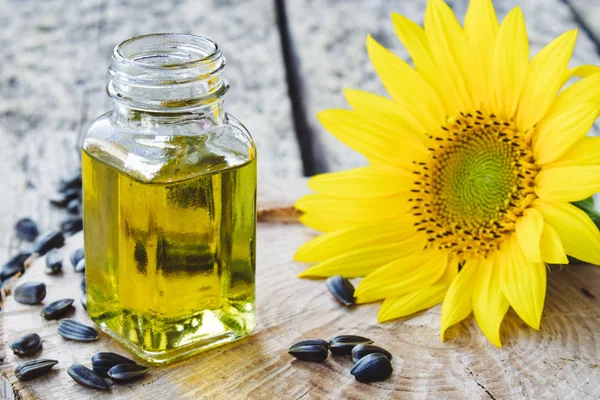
<point>287,59</point>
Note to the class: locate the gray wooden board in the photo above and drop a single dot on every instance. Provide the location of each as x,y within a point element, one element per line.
<point>329,40</point>
<point>589,12</point>
<point>55,56</point>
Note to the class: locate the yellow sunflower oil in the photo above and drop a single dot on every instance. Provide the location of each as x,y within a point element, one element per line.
<point>169,204</point>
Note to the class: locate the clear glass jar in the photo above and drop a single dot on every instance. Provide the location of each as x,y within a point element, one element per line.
<point>169,203</point>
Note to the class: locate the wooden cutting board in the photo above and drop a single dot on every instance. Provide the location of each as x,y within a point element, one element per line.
<point>562,360</point>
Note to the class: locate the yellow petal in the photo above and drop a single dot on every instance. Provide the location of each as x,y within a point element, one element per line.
<point>579,235</point>
<point>529,231</point>
<point>585,152</point>
<point>403,275</point>
<point>544,79</point>
<point>401,306</point>
<point>327,223</point>
<point>481,30</point>
<point>584,71</point>
<point>379,143</point>
<point>407,87</point>
<point>524,285</point>
<point>363,182</point>
<point>451,54</point>
<point>458,300</point>
<point>363,261</point>
<point>568,184</point>
<point>560,132</point>
<point>509,65</point>
<point>489,304</point>
<point>333,244</point>
<point>551,247</point>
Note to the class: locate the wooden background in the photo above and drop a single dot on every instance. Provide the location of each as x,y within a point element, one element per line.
<point>287,59</point>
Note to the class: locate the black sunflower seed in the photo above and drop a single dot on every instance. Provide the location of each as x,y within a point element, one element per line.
<point>362,350</point>
<point>103,361</point>
<point>26,229</point>
<point>74,206</point>
<point>30,293</point>
<point>83,285</point>
<point>26,345</point>
<point>32,369</point>
<point>125,372</point>
<point>318,342</point>
<point>57,309</point>
<point>14,266</point>
<point>71,182</point>
<point>77,256</point>
<point>53,261</point>
<point>342,289</point>
<point>345,343</point>
<point>87,377</point>
<point>372,368</point>
<point>60,199</point>
<point>49,241</point>
<point>309,352</point>
<point>71,225</point>
<point>80,267</point>
<point>83,300</point>
<point>74,330</point>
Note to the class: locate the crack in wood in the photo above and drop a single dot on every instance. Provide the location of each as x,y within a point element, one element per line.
<point>481,385</point>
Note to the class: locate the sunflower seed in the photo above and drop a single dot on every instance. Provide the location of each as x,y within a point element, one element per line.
<point>58,309</point>
<point>71,225</point>
<point>53,262</point>
<point>32,369</point>
<point>342,289</point>
<point>71,182</point>
<point>49,241</point>
<point>30,293</point>
<point>362,350</point>
<point>318,342</point>
<point>26,229</point>
<point>61,199</point>
<point>74,330</point>
<point>87,377</point>
<point>102,362</point>
<point>125,372</point>
<point>372,368</point>
<point>83,300</point>
<point>80,267</point>
<point>83,285</point>
<point>345,343</point>
<point>77,256</point>
<point>74,206</point>
<point>14,266</point>
<point>26,345</point>
<point>309,352</point>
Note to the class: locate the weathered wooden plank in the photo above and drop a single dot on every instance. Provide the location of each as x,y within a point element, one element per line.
<point>54,70</point>
<point>589,12</point>
<point>559,361</point>
<point>329,39</point>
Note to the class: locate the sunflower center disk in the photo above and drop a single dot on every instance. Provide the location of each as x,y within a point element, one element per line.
<point>478,181</point>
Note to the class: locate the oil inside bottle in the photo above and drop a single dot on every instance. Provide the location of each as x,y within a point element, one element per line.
<point>170,263</point>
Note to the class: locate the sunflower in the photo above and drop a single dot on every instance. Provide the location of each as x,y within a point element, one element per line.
<point>473,165</point>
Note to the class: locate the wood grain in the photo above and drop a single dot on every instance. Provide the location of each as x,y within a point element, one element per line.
<point>558,362</point>
<point>329,39</point>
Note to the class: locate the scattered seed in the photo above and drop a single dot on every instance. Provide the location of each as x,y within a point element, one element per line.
<point>26,345</point>
<point>87,377</point>
<point>83,285</point>
<point>80,267</point>
<point>309,352</point>
<point>103,361</point>
<point>362,350</point>
<point>71,226</point>
<point>74,206</point>
<point>345,343</point>
<point>342,289</point>
<point>30,293</point>
<point>318,342</point>
<point>49,241</point>
<point>57,309</point>
<point>77,256</point>
<point>75,330</point>
<point>14,266</point>
<point>53,262</point>
<point>32,369</point>
<point>125,372</point>
<point>71,182</point>
<point>59,199</point>
<point>26,229</point>
<point>372,368</point>
<point>83,300</point>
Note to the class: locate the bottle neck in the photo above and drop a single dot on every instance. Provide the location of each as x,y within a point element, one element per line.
<point>163,78</point>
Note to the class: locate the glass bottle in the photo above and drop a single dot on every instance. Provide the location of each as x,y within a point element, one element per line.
<point>169,203</point>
